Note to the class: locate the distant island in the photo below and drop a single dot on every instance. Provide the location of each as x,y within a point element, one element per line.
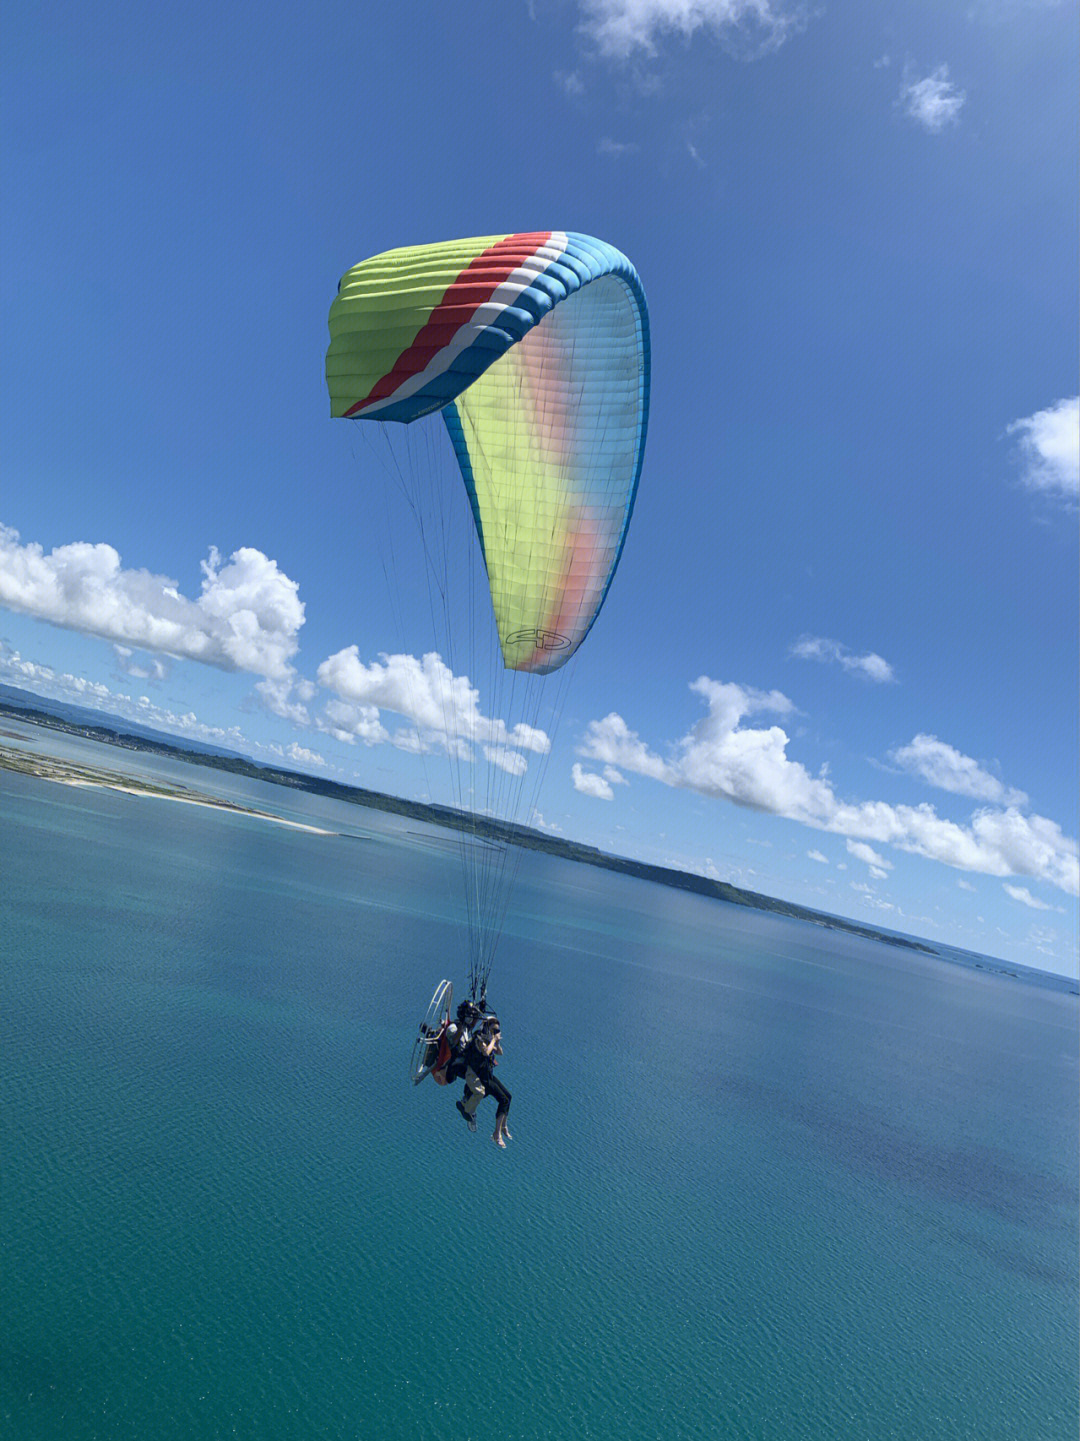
<point>76,721</point>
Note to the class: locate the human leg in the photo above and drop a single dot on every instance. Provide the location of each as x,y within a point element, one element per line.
<point>502,1097</point>
<point>471,1097</point>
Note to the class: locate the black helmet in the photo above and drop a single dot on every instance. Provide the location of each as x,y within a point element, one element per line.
<point>467,1012</point>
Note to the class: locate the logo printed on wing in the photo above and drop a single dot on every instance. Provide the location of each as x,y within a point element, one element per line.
<point>539,639</point>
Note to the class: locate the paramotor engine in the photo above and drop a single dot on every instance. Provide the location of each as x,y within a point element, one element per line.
<point>426,1047</point>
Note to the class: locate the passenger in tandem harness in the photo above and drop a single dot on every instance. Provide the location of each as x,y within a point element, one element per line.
<point>479,1059</point>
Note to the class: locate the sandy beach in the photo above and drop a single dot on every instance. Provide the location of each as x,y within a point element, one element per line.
<point>68,773</point>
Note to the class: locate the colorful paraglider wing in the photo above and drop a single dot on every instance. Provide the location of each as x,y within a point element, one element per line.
<point>536,349</point>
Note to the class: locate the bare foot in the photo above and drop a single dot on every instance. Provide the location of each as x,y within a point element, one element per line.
<point>506,1135</point>
<point>499,1141</point>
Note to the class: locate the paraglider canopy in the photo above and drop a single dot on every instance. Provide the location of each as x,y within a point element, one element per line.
<point>535,347</point>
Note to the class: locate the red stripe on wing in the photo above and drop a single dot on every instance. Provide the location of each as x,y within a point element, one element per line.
<point>463,297</point>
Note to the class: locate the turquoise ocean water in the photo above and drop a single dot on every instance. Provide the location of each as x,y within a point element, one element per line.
<point>768,1180</point>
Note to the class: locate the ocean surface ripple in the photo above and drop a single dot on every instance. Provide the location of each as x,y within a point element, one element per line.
<point>767,1180</point>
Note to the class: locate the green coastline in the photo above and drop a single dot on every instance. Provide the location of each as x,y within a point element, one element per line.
<point>479,827</point>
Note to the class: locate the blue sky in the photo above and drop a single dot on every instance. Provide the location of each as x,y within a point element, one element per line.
<point>838,662</point>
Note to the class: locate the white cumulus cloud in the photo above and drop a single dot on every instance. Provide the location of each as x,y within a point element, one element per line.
<point>862,852</point>
<point>723,758</point>
<point>817,856</point>
<point>351,723</point>
<point>510,761</point>
<point>612,741</point>
<point>303,756</point>
<point>246,618</point>
<point>590,784</point>
<point>287,697</point>
<point>934,101</point>
<point>870,666</point>
<point>943,766</point>
<point>1049,444</point>
<point>995,842</point>
<point>443,710</point>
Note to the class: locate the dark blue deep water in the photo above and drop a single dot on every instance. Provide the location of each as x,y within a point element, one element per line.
<point>768,1180</point>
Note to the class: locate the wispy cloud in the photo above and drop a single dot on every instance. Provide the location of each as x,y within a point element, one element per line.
<point>151,668</point>
<point>870,666</point>
<point>934,101</point>
<point>870,896</point>
<point>997,12</point>
<point>723,758</point>
<point>620,28</point>
<point>1043,939</point>
<point>817,856</point>
<point>1024,896</point>
<point>943,766</point>
<point>569,82</point>
<point>246,617</point>
<point>62,685</point>
<point>615,149</point>
<point>1049,444</point>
